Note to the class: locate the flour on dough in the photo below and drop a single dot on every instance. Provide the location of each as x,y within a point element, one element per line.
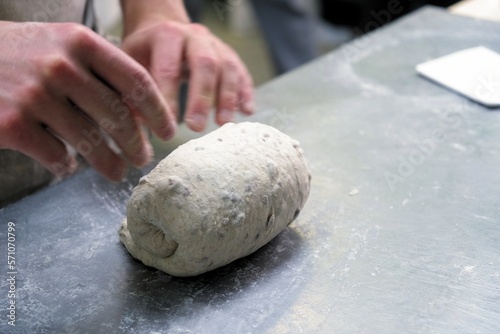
<point>216,199</point>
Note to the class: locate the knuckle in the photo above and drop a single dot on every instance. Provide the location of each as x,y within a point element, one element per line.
<point>31,94</point>
<point>199,28</point>
<point>206,63</point>
<point>141,78</point>
<point>79,36</point>
<point>169,27</point>
<point>122,129</point>
<point>201,105</point>
<point>13,123</point>
<point>167,71</point>
<point>57,66</point>
<point>228,101</point>
<point>230,98</point>
<point>142,88</point>
<point>230,65</point>
<point>14,126</point>
<point>229,89</point>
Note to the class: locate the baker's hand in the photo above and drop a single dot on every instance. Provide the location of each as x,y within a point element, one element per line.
<point>217,77</point>
<point>61,82</point>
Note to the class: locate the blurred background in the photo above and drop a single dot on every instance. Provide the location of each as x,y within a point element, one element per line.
<point>275,36</point>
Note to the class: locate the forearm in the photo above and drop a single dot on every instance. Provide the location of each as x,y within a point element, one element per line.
<point>136,12</point>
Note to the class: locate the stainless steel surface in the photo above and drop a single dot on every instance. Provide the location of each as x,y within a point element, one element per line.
<point>401,232</point>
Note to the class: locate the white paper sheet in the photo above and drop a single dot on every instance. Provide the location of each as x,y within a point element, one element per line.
<point>474,73</point>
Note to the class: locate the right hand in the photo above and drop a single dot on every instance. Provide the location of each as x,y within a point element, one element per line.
<point>62,82</point>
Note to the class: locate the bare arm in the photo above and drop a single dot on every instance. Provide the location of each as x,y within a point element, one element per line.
<point>159,36</point>
<point>136,12</point>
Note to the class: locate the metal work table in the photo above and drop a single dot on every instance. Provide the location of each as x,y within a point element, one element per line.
<point>401,233</point>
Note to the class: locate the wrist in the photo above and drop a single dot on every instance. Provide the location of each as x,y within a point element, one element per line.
<point>137,14</point>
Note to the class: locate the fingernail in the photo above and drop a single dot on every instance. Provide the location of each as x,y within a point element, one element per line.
<point>226,115</point>
<point>146,154</point>
<point>197,120</point>
<point>249,106</point>
<point>168,131</point>
<point>118,174</point>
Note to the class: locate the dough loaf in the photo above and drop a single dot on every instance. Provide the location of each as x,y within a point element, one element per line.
<point>216,199</point>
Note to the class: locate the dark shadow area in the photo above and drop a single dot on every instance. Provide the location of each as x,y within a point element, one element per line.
<point>75,276</point>
<point>159,301</point>
<point>367,15</point>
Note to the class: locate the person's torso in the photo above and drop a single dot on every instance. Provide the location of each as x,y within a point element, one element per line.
<point>42,10</point>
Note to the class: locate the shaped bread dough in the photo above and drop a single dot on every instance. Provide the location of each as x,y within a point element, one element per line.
<point>216,199</point>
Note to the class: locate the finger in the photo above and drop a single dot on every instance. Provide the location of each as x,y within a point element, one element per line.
<point>134,84</point>
<point>52,154</point>
<point>227,100</point>
<point>246,93</point>
<point>106,108</point>
<point>166,64</point>
<point>86,137</point>
<point>203,65</point>
<point>234,70</point>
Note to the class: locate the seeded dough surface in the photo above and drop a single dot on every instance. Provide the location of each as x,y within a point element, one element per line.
<point>216,199</point>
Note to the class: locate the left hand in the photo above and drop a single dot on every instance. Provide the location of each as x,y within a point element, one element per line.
<point>217,76</point>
